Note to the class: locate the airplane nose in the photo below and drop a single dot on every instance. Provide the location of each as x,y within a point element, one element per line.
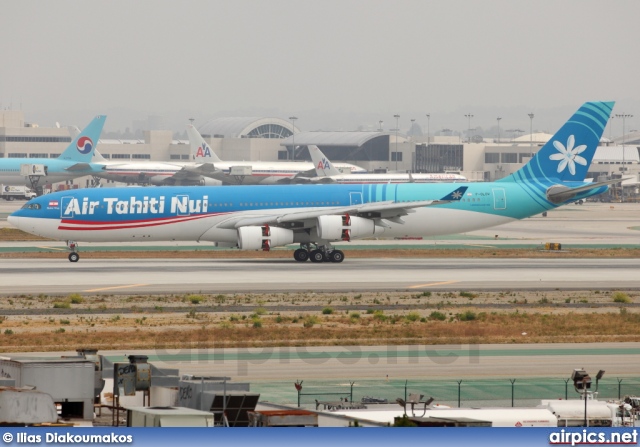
<point>15,221</point>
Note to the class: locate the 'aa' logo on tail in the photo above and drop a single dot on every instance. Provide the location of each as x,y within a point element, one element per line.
<point>203,151</point>
<point>324,164</point>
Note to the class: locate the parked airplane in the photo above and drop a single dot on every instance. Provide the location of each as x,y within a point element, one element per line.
<point>327,173</point>
<point>156,173</point>
<point>74,162</point>
<point>151,173</point>
<point>254,172</point>
<point>315,216</point>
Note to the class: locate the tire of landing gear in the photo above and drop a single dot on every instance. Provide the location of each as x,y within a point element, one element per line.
<point>301,255</point>
<point>316,256</point>
<point>336,256</point>
<point>74,257</point>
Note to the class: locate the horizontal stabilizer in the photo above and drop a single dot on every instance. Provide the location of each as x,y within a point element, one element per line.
<point>561,193</point>
<point>78,167</point>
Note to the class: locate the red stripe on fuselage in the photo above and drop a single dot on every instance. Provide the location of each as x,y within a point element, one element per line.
<point>94,226</point>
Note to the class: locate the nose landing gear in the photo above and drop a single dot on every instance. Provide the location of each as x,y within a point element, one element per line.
<point>73,256</point>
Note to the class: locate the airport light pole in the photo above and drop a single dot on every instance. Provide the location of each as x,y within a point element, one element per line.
<point>531,135</point>
<point>397,117</point>
<point>428,118</point>
<point>469,116</point>
<point>498,119</point>
<point>582,385</point>
<point>293,135</point>
<point>624,116</point>
<point>610,128</point>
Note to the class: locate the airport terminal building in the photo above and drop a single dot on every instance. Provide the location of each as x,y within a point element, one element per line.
<point>271,139</point>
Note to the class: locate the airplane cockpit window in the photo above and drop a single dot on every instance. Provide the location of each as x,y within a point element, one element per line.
<point>31,206</point>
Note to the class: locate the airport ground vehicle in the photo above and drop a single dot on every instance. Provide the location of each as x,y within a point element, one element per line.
<point>9,192</point>
<point>571,413</point>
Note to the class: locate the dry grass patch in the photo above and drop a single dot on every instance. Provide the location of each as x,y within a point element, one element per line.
<point>147,331</point>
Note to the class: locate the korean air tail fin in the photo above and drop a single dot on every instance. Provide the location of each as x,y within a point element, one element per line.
<point>200,150</point>
<point>323,166</point>
<point>97,156</point>
<point>83,146</point>
<point>568,154</point>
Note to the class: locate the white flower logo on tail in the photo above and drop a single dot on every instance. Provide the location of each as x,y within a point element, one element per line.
<point>569,156</point>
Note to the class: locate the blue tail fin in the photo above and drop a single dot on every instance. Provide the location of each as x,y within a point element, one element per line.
<point>568,154</point>
<point>84,145</point>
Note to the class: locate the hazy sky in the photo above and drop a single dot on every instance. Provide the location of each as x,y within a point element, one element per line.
<point>336,64</point>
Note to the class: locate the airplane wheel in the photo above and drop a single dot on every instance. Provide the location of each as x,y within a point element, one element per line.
<point>336,256</point>
<point>74,257</point>
<point>301,255</point>
<point>317,256</point>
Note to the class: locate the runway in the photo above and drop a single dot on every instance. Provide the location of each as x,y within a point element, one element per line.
<point>125,276</point>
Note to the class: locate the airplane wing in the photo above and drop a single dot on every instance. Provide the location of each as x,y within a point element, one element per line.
<point>388,210</point>
<point>205,169</point>
<point>561,193</point>
<point>306,177</point>
<point>193,173</point>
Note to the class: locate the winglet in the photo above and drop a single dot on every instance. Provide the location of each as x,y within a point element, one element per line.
<point>200,150</point>
<point>456,195</point>
<point>323,166</point>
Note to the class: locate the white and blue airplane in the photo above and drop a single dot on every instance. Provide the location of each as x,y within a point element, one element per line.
<point>326,172</point>
<point>261,217</point>
<point>74,162</point>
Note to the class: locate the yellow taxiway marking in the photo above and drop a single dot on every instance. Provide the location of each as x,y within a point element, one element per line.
<point>53,248</point>
<point>115,287</point>
<point>432,284</point>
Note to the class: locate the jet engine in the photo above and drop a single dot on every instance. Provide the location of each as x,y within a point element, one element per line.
<point>343,228</point>
<point>263,238</point>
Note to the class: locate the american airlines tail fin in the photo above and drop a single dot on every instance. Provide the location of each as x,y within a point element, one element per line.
<point>83,145</point>
<point>323,166</point>
<point>568,154</point>
<point>200,150</point>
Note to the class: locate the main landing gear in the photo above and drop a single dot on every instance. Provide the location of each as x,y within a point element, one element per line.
<point>322,253</point>
<point>73,256</point>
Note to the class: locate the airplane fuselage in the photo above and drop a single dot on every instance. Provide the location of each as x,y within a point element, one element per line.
<point>392,178</point>
<point>151,173</point>
<point>57,170</point>
<point>207,214</point>
<point>268,173</point>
